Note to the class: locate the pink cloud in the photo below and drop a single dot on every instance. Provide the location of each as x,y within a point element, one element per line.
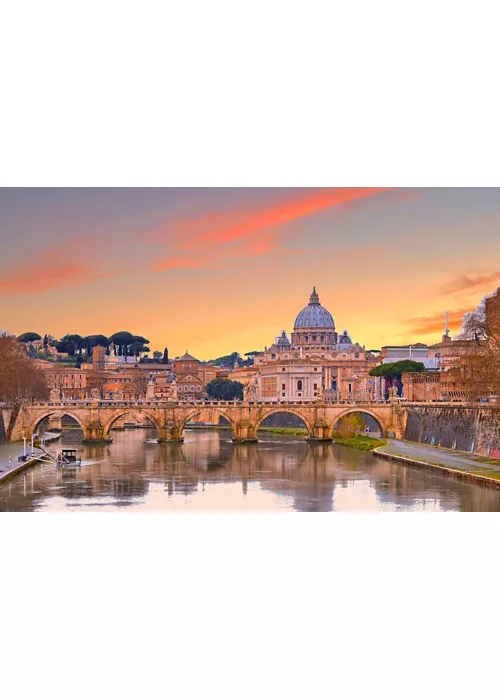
<point>242,233</point>
<point>52,269</point>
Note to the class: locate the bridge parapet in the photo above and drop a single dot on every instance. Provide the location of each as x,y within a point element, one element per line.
<point>97,417</point>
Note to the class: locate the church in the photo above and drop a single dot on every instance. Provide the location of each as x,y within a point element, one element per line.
<point>316,362</point>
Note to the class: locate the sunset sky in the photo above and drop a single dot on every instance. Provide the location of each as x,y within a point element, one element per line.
<point>217,270</point>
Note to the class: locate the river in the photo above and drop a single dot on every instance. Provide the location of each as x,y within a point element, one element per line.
<point>210,473</point>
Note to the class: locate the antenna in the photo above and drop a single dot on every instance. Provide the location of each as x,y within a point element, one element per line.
<point>446,330</point>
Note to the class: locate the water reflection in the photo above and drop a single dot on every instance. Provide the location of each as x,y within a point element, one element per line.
<point>208,472</point>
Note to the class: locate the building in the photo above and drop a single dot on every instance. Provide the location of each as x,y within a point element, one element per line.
<point>418,352</point>
<point>191,377</point>
<point>316,361</point>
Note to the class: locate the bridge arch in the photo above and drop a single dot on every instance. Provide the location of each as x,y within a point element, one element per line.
<point>378,419</point>
<point>59,413</point>
<point>210,409</point>
<point>129,412</point>
<point>284,409</point>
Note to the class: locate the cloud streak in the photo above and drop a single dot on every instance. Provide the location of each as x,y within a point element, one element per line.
<point>51,270</point>
<point>425,325</point>
<point>464,283</point>
<point>244,233</point>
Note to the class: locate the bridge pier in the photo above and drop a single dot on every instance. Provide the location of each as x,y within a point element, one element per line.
<point>244,431</point>
<point>170,432</point>
<point>94,432</point>
<point>320,433</point>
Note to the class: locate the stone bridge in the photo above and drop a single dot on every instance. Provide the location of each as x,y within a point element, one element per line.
<point>97,418</point>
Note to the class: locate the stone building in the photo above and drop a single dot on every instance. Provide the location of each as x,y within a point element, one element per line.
<point>191,377</point>
<point>315,362</point>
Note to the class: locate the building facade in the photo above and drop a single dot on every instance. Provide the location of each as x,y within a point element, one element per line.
<point>316,362</point>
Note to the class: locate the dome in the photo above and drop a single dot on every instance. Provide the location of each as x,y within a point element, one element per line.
<point>344,339</point>
<point>314,315</point>
<point>283,340</point>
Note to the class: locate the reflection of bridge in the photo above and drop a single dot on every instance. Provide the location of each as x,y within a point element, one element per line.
<point>97,418</point>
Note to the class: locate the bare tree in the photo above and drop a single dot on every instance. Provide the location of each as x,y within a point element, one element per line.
<point>21,380</point>
<point>96,379</point>
<point>481,361</point>
<point>139,385</point>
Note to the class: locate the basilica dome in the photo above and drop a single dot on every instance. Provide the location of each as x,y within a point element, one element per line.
<point>314,315</point>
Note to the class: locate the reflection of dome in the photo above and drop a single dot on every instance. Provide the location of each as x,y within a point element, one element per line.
<point>314,315</point>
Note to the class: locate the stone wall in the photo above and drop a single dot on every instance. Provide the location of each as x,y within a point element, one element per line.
<point>460,428</point>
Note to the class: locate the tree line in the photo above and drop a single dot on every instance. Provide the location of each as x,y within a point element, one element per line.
<point>122,343</point>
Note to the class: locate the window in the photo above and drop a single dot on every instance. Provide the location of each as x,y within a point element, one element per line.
<point>315,386</point>
<point>356,355</point>
<point>283,388</point>
<point>282,369</point>
<point>315,369</point>
<point>322,338</point>
<point>283,394</point>
<point>299,385</point>
<point>192,388</point>
<point>273,356</point>
<point>198,388</point>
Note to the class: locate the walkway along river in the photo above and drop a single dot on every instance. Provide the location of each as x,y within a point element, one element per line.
<point>208,472</point>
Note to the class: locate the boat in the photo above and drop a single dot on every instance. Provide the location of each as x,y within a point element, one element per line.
<point>67,459</point>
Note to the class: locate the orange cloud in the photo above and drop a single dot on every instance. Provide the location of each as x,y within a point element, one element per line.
<point>175,263</point>
<point>45,272</point>
<point>425,325</point>
<point>464,283</point>
<point>244,233</point>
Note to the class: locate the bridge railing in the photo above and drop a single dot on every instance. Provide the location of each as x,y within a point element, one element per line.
<point>163,403</point>
<point>87,403</point>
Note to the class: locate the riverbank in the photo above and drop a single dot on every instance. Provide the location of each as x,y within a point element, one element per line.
<point>8,470</point>
<point>458,465</point>
<point>362,442</point>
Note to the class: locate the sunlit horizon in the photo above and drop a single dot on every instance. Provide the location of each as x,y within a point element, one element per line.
<point>214,271</point>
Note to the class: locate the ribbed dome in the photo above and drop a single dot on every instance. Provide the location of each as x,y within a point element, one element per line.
<point>314,315</point>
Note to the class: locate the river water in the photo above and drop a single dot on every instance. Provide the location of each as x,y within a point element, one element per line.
<point>210,473</point>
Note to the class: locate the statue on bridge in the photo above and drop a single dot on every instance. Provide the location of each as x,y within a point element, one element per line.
<point>250,391</point>
<point>393,393</point>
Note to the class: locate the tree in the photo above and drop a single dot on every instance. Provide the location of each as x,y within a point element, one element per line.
<point>138,345</point>
<point>89,342</point>
<point>226,360</point>
<point>225,390</point>
<point>29,337</point>
<point>21,380</point>
<point>392,371</point>
<point>122,340</point>
<point>139,385</point>
<point>77,340</point>
<point>66,345</point>
<point>96,380</point>
<point>351,424</point>
<point>165,356</point>
<point>157,354</point>
<point>481,360</point>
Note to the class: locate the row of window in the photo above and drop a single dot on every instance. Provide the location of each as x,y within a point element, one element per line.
<point>187,388</point>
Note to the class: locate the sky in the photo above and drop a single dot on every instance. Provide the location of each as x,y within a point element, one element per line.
<point>213,270</point>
